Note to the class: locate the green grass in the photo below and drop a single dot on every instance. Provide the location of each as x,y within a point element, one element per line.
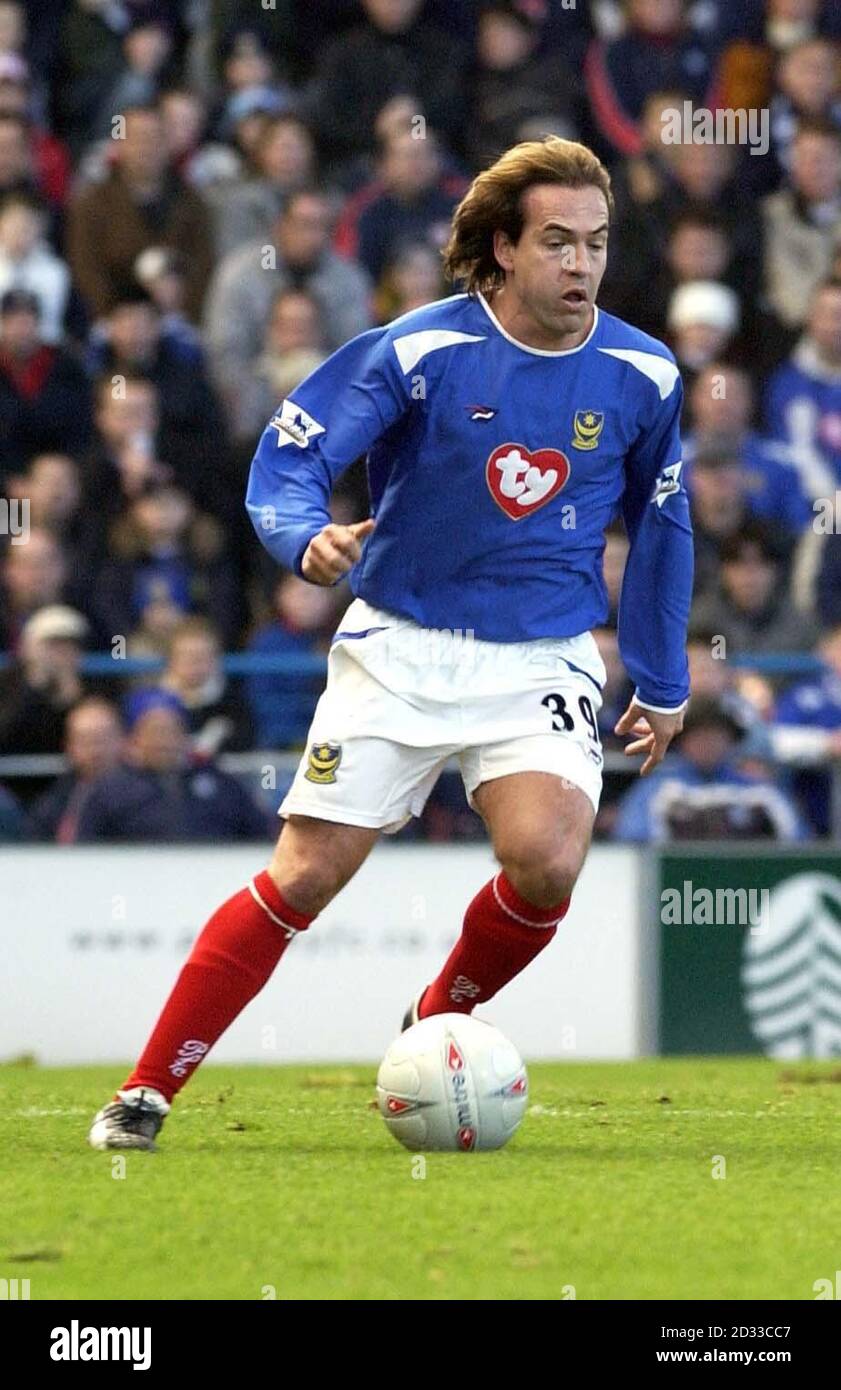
<point>286,1177</point>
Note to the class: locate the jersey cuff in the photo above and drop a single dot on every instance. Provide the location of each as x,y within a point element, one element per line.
<point>660,709</point>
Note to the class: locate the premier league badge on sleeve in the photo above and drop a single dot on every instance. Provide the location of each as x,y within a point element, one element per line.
<point>294,425</point>
<point>668,482</point>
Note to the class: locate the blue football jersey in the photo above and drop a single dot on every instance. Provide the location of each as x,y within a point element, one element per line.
<point>494,469</point>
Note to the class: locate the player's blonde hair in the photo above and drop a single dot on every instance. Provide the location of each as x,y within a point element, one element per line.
<point>494,203</point>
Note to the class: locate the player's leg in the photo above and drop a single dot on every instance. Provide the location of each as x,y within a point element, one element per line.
<point>231,961</point>
<point>540,825</point>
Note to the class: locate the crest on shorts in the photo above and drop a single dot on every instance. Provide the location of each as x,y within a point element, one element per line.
<point>323,761</point>
<point>587,426</point>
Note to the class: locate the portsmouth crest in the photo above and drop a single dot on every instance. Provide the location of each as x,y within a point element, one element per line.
<point>324,759</point>
<point>587,427</point>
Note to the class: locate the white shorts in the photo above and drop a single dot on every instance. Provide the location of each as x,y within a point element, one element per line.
<point>401,700</point>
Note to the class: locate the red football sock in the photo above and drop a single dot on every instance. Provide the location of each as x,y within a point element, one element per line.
<point>230,962</point>
<point>502,933</point>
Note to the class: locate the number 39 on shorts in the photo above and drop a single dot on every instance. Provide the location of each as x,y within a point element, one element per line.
<point>574,714</point>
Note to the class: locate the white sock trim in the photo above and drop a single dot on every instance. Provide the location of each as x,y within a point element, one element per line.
<point>524,921</point>
<point>290,931</point>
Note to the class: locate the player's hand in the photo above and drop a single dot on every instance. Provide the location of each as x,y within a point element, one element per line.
<point>654,733</point>
<point>334,551</point>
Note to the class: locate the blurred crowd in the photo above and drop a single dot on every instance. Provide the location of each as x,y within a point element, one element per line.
<point>201,199</point>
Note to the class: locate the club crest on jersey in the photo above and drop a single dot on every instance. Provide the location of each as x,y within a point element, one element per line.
<point>587,427</point>
<point>294,425</point>
<point>481,412</point>
<point>668,482</point>
<point>521,480</point>
<point>323,761</point>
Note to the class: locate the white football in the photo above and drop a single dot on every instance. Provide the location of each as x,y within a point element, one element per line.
<point>452,1082</point>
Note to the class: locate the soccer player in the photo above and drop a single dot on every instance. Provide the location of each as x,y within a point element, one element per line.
<point>504,428</point>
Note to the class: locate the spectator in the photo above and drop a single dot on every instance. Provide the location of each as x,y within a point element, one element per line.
<point>702,320</point>
<point>807,730</point>
<point>699,793</point>
<point>657,51</point>
<point>802,222</point>
<point>45,682</point>
<point>17,168</point>
<point>719,509</point>
<point>744,694</point>
<point>191,440</point>
<point>158,795</point>
<point>415,201</point>
<point>93,742</point>
<point>305,616</point>
<point>809,82</point>
<point>54,491</point>
<point>515,82</point>
<point>721,409</point>
<point>752,608</point>
<point>250,78</point>
<point>803,397</point>
<point>141,203</point>
<point>646,205</point>
<point>28,263</point>
<point>699,248</point>
<point>724,498</point>
<point>216,715</point>
<point>146,56</point>
<point>162,274</point>
<point>50,161</point>
<point>167,560</point>
<point>12,27</point>
<point>394,53</point>
<point>247,282</point>
<point>44,394</point>
<point>644,177</point>
<point>52,488</point>
<point>293,349</point>
<point>123,460</point>
<point>200,163</point>
<point>34,576</point>
<point>247,209</point>
<point>413,277</point>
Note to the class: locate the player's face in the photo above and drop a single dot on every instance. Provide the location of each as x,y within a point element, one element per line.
<point>557,265</point>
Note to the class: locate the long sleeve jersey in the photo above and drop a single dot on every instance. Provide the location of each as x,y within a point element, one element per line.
<point>494,470</point>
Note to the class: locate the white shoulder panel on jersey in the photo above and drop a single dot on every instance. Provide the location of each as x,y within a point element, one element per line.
<point>414,346</point>
<point>660,370</point>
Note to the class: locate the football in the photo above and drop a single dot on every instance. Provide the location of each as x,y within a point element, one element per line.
<point>454,1083</point>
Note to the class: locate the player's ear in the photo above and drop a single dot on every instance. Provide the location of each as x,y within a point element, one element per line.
<point>504,250</point>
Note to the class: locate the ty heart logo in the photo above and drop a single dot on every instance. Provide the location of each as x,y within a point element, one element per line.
<point>521,480</point>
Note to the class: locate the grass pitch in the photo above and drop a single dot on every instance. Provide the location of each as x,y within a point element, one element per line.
<point>283,1182</point>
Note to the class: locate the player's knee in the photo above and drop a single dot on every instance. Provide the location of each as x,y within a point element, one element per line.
<point>308,887</point>
<point>543,877</point>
